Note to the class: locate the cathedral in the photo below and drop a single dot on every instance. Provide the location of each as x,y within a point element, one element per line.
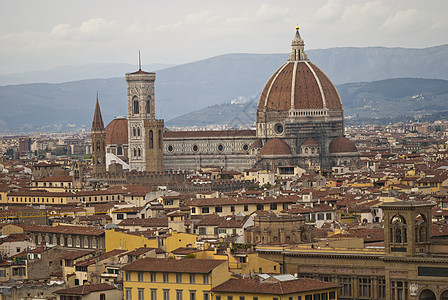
<point>300,122</point>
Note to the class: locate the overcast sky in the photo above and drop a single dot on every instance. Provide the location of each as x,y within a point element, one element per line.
<point>45,34</point>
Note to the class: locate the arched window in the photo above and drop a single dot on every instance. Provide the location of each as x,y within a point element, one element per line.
<point>103,296</point>
<point>135,105</point>
<point>138,131</point>
<point>135,152</point>
<point>148,106</point>
<point>119,150</point>
<point>139,152</point>
<point>151,139</point>
<point>98,146</point>
<point>398,230</point>
<point>134,131</point>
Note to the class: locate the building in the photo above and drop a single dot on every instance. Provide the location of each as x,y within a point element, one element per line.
<point>100,291</point>
<point>412,265</point>
<point>173,279</point>
<point>300,122</point>
<point>282,286</point>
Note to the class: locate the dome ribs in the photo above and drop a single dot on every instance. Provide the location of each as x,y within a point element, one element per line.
<point>280,93</point>
<point>331,94</point>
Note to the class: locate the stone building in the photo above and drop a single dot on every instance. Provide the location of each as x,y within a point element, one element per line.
<point>413,264</point>
<point>300,121</point>
<point>278,229</point>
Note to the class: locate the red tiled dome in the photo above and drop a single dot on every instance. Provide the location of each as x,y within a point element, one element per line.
<point>299,85</point>
<point>342,145</point>
<point>275,147</point>
<point>117,131</point>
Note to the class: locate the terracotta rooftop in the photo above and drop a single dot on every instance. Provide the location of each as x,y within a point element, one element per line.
<point>209,133</point>
<point>85,289</point>
<point>169,265</point>
<point>257,286</point>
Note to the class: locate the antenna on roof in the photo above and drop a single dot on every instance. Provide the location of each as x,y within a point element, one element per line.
<point>139,61</point>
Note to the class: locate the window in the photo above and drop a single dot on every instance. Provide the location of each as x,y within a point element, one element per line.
<point>165,277</point>
<point>153,294</point>
<point>381,288</point>
<point>140,276</point>
<point>346,287</point>
<point>246,207</point>
<point>120,216</point>
<point>232,208</point>
<point>205,279</point>
<point>273,206</point>
<point>102,296</point>
<point>202,231</point>
<point>148,106</point>
<point>365,287</point>
<point>166,294</point>
<point>151,139</point>
<point>135,104</point>
<point>128,294</point>
<point>255,298</point>
<point>153,277</point>
<point>399,290</point>
<point>193,210</point>
<point>206,295</point>
<point>242,298</point>
<point>328,216</point>
<point>260,207</point>
<point>316,297</point>
<point>178,278</point>
<point>320,216</point>
<point>332,295</point>
<point>229,298</point>
<point>178,294</point>
<point>128,276</point>
<point>309,297</point>
<point>205,210</point>
<point>18,272</point>
<point>141,294</point>
<point>192,295</point>
<point>218,209</point>
<point>192,278</point>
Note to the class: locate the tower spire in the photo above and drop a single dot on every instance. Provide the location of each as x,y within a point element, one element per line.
<point>298,47</point>
<point>97,123</point>
<point>139,61</point>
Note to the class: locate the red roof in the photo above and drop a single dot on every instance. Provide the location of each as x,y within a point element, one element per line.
<point>255,285</point>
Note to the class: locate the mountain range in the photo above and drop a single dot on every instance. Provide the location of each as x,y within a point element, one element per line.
<point>190,87</point>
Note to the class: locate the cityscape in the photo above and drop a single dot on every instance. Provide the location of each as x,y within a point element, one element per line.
<point>297,185</point>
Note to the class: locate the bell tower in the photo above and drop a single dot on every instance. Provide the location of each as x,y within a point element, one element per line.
<point>144,130</point>
<point>407,227</point>
<point>98,135</point>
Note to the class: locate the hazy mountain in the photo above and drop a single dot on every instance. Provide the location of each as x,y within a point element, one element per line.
<point>193,86</point>
<point>73,73</point>
<point>388,99</point>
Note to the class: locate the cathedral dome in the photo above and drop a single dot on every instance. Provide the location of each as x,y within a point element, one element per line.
<point>342,145</point>
<point>117,131</point>
<point>275,147</point>
<point>299,85</point>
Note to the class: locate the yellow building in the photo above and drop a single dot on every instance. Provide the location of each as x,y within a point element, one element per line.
<point>164,279</point>
<point>275,287</point>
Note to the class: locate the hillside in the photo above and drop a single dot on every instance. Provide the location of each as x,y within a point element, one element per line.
<point>384,100</point>
<point>193,86</point>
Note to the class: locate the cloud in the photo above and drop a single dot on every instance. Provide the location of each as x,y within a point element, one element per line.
<point>406,21</point>
<point>93,29</point>
<point>329,12</point>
